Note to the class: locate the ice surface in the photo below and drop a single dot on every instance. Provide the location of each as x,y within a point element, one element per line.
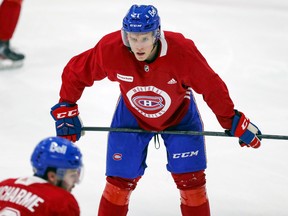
<point>245,42</point>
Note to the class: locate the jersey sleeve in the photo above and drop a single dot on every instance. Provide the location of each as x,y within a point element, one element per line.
<point>80,72</point>
<point>201,77</point>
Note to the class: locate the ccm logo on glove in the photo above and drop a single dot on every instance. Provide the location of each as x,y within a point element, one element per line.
<point>245,124</point>
<point>245,130</point>
<point>65,112</point>
<point>70,113</point>
<point>67,121</point>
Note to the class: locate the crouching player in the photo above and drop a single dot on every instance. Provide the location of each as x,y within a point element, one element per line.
<point>57,165</point>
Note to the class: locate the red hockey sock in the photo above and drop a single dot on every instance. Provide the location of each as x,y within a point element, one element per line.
<point>202,210</point>
<point>107,208</point>
<point>115,198</point>
<point>9,15</point>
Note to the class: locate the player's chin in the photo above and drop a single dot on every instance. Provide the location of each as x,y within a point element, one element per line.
<point>69,188</point>
<point>140,56</point>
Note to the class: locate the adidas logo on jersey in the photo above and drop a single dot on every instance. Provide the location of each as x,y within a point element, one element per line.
<point>172,81</point>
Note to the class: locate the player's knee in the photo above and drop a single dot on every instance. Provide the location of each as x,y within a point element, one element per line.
<point>185,181</point>
<point>192,187</point>
<point>118,190</point>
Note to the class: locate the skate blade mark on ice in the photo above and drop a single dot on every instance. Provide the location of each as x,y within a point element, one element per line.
<point>10,64</point>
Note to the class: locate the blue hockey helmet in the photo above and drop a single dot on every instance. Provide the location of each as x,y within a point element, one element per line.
<point>55,152</point>
<point>141,19</point>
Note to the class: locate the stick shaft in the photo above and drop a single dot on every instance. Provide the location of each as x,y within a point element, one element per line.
<point>199,133</point>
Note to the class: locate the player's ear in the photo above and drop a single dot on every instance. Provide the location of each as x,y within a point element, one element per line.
<point>52,177</point>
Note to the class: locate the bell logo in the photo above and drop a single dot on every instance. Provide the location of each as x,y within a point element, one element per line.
<point>185,154</point>
<point>59,149</point>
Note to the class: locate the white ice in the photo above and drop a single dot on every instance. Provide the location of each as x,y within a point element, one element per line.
<point>244,41</point>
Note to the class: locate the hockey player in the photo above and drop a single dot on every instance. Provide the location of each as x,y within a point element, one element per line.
<point>157,73</point>
<point>9,15</point>
<point>57,165</point>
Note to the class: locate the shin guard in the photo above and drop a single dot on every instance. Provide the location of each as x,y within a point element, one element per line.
<point>195,202</point>
<point>193,195</point>
<point>115,197</point>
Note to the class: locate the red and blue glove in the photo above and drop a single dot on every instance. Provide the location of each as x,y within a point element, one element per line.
<point>68,124</point>
<point>245,130</point>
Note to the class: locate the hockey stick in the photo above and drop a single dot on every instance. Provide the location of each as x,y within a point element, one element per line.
<point>199,133</point>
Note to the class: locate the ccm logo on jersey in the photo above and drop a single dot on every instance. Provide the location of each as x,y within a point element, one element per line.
<point>185,154</point>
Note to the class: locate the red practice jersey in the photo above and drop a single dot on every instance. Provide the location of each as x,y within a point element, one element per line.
<point>34,196</point>
<point>157,93</point>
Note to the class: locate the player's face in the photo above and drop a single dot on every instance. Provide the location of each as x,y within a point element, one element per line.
<point>142,45</point>
<point>70,178</point>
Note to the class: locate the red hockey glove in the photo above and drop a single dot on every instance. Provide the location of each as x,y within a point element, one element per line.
<point>245,130</point>
<point>68,124</point>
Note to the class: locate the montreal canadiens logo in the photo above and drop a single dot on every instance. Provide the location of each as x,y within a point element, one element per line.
<point>150,101</point>
<point>117,156</point>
